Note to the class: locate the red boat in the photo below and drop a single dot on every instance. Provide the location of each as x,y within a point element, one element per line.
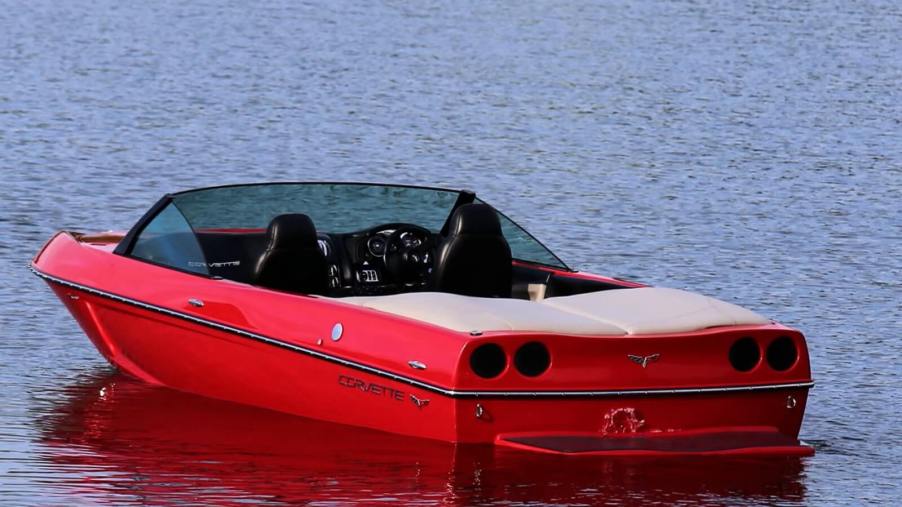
<point>424,312</point>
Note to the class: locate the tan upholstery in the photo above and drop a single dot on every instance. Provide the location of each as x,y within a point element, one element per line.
<point>650,310</point>
<point>467,313</point>
<point>612,312</point>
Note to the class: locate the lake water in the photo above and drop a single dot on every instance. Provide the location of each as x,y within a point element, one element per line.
<point>747,150</point>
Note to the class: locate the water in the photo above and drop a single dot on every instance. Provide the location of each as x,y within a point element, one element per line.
<point>745,150</point>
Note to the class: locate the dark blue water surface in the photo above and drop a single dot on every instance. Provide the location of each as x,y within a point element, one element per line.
<point>747,150</point>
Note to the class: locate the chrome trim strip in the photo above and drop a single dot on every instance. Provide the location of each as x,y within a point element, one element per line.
<point>413,382</point>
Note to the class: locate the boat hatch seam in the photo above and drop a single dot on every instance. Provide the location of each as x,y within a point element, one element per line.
<point>410,381</point>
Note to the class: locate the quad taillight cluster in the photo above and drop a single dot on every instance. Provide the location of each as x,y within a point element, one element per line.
<point>490,360</point>
<point>781,354</point>
<point>532,359</point>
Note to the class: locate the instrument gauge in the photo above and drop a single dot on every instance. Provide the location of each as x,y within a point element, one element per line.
<point>410,240</point>
<point>376,246</point>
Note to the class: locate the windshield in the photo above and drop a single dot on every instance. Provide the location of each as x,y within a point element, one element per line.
<point>335,208</point>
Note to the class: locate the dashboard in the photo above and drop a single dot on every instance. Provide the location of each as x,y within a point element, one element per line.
<point>385,259</point>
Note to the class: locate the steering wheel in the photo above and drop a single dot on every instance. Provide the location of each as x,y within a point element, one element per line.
<point>408,263</point>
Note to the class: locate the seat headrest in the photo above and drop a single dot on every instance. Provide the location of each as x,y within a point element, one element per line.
<point>475,219</point>
<point>293,230</point>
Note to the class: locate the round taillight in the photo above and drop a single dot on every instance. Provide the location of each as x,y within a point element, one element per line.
<point>532,359</point>
<point>745,354</point>
<point>782,353</point>
<point>488,361</point>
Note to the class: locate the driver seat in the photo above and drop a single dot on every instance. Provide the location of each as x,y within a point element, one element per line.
<point>474,259</point>
<point>292,260</point>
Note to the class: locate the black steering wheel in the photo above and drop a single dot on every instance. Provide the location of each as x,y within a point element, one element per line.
<point>409,262</point>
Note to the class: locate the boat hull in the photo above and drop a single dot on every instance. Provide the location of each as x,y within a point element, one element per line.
<point>223,352</point>
<point>165,350</point>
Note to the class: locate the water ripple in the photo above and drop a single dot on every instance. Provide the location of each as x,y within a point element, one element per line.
<point>746,150</point>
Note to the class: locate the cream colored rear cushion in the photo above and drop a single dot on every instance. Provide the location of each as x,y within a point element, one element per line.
<point>465,313</point>
<point>615,312</point>
<point>650,310</point>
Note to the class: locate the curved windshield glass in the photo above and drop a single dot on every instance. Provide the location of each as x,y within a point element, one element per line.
<point>169,240</point>
<point>523,245</point>
<point>335,208</point>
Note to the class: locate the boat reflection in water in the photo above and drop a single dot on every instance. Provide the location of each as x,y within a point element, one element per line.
<point>121,441</point>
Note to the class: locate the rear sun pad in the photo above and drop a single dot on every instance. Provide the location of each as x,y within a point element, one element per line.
<point>723,441</point>
<point>649,310</point>
<point>639,311</point>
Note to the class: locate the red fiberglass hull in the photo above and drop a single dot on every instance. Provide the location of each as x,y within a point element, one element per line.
<point>245,344</point>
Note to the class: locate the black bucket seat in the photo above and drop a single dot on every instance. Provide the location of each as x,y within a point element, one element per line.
<point>474,259</point>
<point>292,260</point>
